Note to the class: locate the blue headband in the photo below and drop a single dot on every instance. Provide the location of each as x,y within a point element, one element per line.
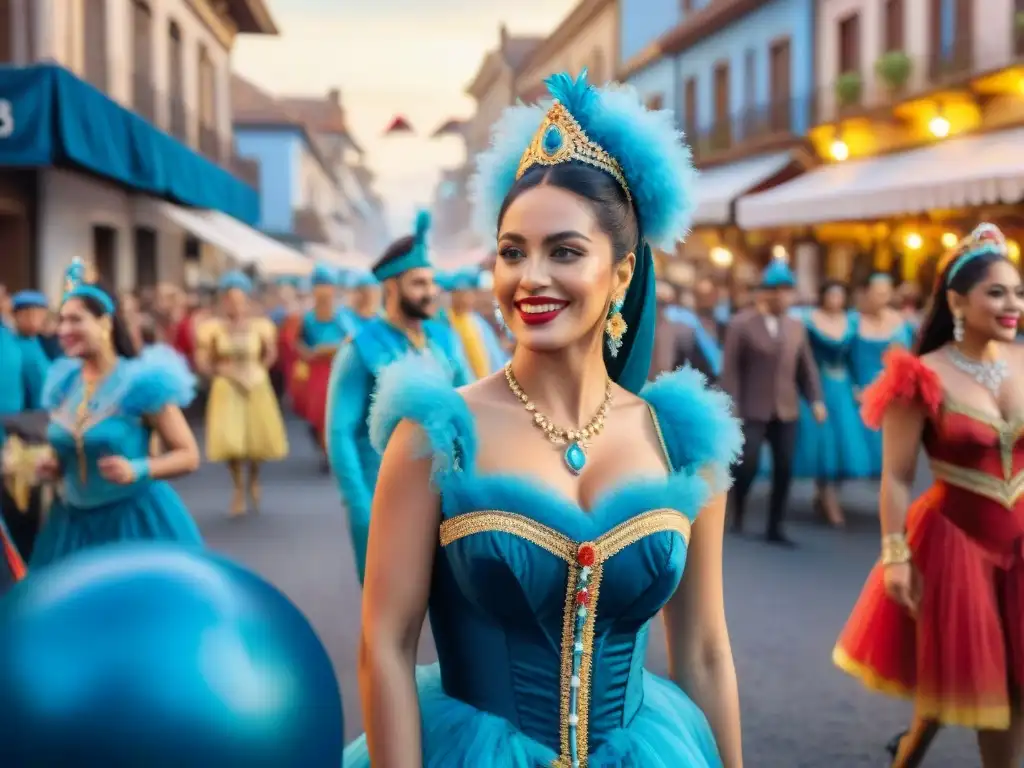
<point>415,258</point>
<point>28,300</point>
<point>880,277</point>
<point>77,286</point>
<point>235,279</point>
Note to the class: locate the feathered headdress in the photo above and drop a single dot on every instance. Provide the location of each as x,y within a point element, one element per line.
<point>418,255</point>
<point>984,239</point>
<point>608,128</point>
<point>78,283</point>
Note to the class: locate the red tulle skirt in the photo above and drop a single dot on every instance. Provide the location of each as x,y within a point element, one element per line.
<point>963,653</point>
<point>316,393</point>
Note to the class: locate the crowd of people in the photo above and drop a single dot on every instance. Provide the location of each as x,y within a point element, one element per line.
<point>541,457</point>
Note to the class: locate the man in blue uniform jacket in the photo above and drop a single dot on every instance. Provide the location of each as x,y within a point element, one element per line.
<point>405,327</point>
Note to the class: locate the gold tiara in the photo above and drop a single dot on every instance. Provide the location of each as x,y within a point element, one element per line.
<point>561,139</point>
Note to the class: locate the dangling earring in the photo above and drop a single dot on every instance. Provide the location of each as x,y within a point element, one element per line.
<point>499,318</point>
<point>615,326</point>
<point>958,328</point>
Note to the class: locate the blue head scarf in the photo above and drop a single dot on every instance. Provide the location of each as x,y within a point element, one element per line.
<point>608,128</point>
<point>324,275</point>
<point>363,280</point>
<point>465,280</point>
<point>417,257</point>
<point>77,285</point>
<point>235,279</point>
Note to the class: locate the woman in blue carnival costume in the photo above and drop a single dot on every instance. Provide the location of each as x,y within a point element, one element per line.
<point>244,427</point>
<point>560,498</point>
<point>836,449</point>
<point>879,328</point>
<point>30,309</point>
<point>105,402</point>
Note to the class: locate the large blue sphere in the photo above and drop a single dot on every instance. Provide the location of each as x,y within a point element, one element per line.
<point>150,655</point>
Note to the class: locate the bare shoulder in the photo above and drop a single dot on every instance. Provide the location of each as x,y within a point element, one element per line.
<point>485,395</point>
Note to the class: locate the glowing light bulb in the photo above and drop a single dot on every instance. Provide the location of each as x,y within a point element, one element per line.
<point>839,150</point>
<point>721,257</point>
<point>913,241</point>
<point>1013,251</point>
<point>939,127</point>
<point>949,240</point>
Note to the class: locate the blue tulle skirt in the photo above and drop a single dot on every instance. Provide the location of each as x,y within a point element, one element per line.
<point>838,449</point>
<point>669,731</point>
<point>154,513</point>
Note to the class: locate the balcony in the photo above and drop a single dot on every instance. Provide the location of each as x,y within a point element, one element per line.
<point>757,129</point>
<point>209,142</point>
<point>144,96</point>
<point>896,78</point>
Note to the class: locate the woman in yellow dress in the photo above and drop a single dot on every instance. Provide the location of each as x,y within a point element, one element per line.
<point>243,419</point>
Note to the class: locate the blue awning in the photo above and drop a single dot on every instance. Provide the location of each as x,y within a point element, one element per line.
<point>50,117</point>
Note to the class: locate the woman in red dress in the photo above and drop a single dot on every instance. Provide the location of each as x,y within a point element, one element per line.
<point>941,618</point>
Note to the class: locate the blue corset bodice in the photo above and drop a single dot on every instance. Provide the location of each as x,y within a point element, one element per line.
<point>504,605</point>
<point>539,609</point>
<point>832,354</point>
<point>866,355</point>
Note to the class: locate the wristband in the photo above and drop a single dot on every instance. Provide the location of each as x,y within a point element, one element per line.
<point>140,469</point>
<point>895,550</point>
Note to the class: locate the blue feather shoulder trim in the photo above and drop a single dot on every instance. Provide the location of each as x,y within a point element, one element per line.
<point>157,378</point>
<point>417,388</point>
<point>697,424</point>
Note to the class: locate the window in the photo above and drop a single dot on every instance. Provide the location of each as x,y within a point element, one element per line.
<point>722,137</point>
<point>209,142</point>
<point>142,59</point>
<point>95,34</point>
<point>893,34</point>
<point>7,31</point>
<point>145,257</point>
<point>849,44</point>
<point>690,109</point>
<point>963,33</point>
<point>104,255</point>
<point>176,80</point>
<point>780,86</point>
<point>750,80</point>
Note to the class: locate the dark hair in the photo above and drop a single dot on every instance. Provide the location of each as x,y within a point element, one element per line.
<point>396,250</point>
<point>608,201</point>
<point>937,327</point>
<point>827,286</point>
<point>124,346</point>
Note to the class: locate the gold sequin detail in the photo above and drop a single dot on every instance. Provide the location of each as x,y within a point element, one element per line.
<point>1004,492</point>
<point>561,546</point>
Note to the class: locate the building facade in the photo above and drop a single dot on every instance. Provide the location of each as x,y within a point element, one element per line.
<point>740,78</point>
<point>141,94</point>
<point>919,125</point>
<point>587,37</point>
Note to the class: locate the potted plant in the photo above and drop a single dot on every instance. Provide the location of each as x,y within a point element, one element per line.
<point>849,87</point>
<point>894,68</point>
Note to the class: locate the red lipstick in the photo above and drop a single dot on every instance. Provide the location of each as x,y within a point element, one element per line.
<point>539,310</point>
<point>1009,321</point>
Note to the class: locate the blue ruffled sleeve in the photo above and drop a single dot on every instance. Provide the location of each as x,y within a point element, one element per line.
<point>59,379</point>
<point>697,425</point>
<point>417,388</point>
<point>157,378</point>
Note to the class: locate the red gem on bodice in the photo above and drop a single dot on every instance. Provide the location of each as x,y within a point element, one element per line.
<point>582,597</point>
<point>585,555</point>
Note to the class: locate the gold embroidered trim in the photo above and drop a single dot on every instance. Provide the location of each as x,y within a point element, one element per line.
<point>1004,492</point>
<point>561,546</point>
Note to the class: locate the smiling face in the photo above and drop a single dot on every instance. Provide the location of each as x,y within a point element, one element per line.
<point>555,275</point>
<point>992,308</point>
<point>80,332</point>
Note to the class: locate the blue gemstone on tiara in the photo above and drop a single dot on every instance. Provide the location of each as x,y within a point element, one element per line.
<point>552,141</point>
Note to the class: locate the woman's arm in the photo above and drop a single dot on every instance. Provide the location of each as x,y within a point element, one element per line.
<point>403,538</point>
<point>699,653</point>
<point>902,427</point>
<point>180,454</point>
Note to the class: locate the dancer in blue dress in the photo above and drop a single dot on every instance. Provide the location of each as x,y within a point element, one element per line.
<point>105,403</point>
<point>544,514</point>
<point>833,450</point>
<point>879,327</point>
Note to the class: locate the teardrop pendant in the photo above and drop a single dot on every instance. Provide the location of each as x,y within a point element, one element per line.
<point>575,457</point>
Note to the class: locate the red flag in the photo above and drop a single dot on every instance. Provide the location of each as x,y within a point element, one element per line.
<point>398,124</point>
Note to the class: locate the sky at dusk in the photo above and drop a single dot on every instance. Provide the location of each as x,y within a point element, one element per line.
<point>388,57</point>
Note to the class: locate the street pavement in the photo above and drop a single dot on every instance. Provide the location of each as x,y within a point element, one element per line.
<point>785,609</point>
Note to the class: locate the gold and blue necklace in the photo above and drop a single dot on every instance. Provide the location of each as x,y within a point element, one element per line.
<point>576,440</point>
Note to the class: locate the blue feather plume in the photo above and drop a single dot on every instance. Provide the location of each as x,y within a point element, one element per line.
<point>422,226</point>
<point>654,157</point>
